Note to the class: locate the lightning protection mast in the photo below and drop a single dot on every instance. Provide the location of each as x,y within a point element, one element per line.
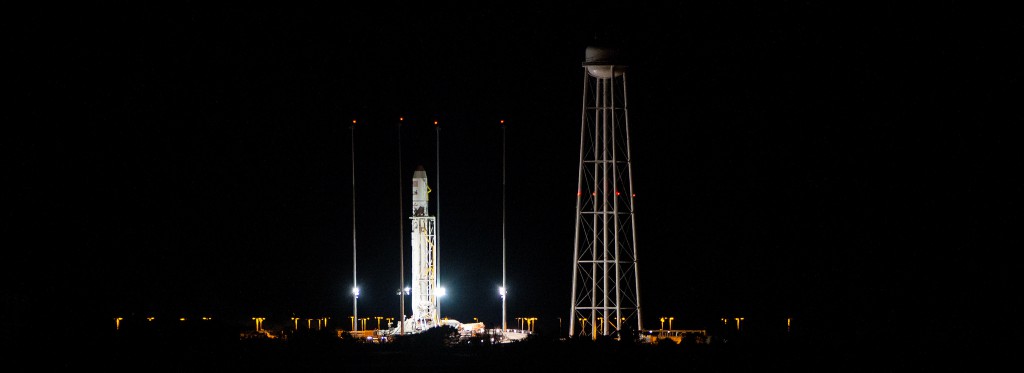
<point>605,285</point>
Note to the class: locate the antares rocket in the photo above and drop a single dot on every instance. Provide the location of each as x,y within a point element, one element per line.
<point>425,289</point>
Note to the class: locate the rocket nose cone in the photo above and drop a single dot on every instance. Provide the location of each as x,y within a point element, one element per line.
<point>419,173</point>
<point>419,168</point>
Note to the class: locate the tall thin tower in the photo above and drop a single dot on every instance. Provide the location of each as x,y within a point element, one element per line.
<point>605,285</point>
<point>355,283</point>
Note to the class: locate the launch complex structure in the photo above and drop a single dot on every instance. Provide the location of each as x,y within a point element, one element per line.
<point>605,285</point>
<point>425,291</point>
<point>605,282</point>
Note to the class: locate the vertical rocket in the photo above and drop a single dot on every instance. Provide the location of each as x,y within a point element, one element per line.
<point>424,255</point>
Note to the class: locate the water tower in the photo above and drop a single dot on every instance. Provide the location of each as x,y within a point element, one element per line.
<point>605,285</point>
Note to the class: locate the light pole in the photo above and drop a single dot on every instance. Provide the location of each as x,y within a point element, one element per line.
<point>296,321</point>
<point>738,319</point>
<point>670,322</point>
<point>401,239</point>
<point>353,318</point>
<point>583,325</point>
<point>389,319</point>
<point>117,323</point>
<point>437,217</point>
<point>502,289</point>
<point>378,321</point>
<point>662,323</point>
<point>259,323</point>
<point>355,286</point>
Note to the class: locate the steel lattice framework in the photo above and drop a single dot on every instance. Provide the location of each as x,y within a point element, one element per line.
<point>606,293</point>
<point>424,281</point>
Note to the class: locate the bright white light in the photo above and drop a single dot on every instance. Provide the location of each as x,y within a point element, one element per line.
<point>408,290</point>
<point>440,291</point>
<point>355,291</point>
<point>501,290</point>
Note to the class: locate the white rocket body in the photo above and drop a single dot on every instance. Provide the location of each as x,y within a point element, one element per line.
<point>424,256</point>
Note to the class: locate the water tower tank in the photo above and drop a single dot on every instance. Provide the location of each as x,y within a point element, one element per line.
<point>603,62</point>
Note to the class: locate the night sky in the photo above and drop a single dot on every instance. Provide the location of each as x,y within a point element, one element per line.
<point>834,163</point>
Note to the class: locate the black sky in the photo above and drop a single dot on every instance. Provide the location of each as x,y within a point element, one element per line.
<point>794,158</point>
